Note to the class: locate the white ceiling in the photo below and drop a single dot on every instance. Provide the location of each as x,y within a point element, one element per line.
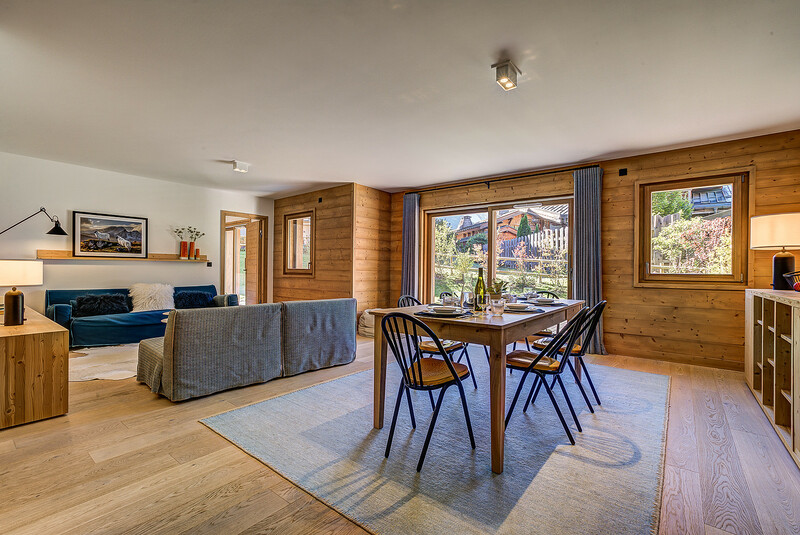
<point>387,93</point>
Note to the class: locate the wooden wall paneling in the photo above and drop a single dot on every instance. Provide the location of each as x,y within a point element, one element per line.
<point>693,326</point>
<point>333,254</point>
<point>353,246</point>
<point>372,246</point>
<point>706,317</point>
<point>396,247</point>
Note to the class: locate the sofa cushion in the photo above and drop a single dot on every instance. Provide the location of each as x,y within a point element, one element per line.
<point>113,329</point>
<point>96,305</point>
<point>151,363</point>
<point>155,296</point>
<point>318,334</point>
<point>207,350</point>
<point>193,300</point>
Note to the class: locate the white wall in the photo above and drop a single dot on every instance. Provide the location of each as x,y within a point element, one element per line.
<point>28,183</point>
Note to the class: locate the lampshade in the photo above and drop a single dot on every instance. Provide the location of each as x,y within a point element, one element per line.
<point>21,273</point>
<point>57,230</point>
<point>775,231</point>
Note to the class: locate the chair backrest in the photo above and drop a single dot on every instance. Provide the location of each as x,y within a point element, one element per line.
<point>548,293</point>
<point>402,333</point>
<point>445,294</point>
<point>589,326</point>
<point>408,301</point>
<point>565,339</point>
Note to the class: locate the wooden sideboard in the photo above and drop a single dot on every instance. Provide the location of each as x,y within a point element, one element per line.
<point>34,371</point>
<point>772,360</point>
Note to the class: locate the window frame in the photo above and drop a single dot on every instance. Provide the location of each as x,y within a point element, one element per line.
<point>491,209</point>
<point>742,180</point>
<point>312,260</point>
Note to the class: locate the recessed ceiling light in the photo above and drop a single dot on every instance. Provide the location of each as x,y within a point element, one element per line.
<point>240,167</point>
<point>506,74</point>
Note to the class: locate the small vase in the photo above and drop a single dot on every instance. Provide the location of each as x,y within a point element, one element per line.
<point>184,250</point>
<point>196,253</point>
<point>191,250</point>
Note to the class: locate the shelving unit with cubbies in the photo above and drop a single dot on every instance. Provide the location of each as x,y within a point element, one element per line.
<point>772,360</point>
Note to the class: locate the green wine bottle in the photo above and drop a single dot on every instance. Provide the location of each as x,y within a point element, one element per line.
<point>481,296</point>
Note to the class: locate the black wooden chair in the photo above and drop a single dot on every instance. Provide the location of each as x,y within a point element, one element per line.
<point>549,362</point>
<point>578,351</point>
<point>408,301</point>
<point>403,333</point>
<point>451,346</point>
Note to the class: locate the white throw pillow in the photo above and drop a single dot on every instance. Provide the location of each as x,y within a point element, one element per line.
<point>152,296</point>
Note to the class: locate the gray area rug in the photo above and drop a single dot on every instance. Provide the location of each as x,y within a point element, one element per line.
<point>108,362</point>
<point>321,438</point>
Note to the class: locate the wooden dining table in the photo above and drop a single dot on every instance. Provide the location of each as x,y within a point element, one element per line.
<point>496,332</point>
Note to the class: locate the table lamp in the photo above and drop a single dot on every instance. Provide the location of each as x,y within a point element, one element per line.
<point>775,233</point>
<point>18,273</point>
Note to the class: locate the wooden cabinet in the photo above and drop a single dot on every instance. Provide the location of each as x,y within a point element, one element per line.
<point>34,370</point>
<point>772,360</point>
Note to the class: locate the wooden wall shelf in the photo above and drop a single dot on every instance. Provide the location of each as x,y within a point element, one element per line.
<point>48,254</point>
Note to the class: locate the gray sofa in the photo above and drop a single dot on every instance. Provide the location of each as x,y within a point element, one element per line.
<point>209,350</point>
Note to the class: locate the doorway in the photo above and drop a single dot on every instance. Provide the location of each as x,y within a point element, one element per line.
<point>244,249</point>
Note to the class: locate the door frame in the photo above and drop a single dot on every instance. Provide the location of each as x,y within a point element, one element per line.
<point>262,261</point>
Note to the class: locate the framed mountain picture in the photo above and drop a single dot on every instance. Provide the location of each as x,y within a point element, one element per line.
<point>106,235</point>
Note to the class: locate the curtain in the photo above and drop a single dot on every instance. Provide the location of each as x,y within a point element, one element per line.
<point>408,278</point>
<point>587,283</point>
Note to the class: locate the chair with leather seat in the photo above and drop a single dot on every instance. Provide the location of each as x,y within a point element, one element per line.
<point>403,334</point>
<point>578,352</point>
<point>428,347</point>
<point>549,362</point>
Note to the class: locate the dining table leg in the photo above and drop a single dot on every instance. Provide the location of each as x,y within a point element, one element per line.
<point>497,400</point>
<point>379,389</point>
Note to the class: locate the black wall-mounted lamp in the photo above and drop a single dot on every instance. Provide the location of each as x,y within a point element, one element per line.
<point>56,230</point>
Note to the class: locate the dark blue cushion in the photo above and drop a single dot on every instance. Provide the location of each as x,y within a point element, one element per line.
<point>97,305</point>
<point>191,299</point>
<point>115,329</point>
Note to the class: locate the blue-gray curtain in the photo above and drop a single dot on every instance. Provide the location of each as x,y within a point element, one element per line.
<point>587,283</point>
<point>408,279</point>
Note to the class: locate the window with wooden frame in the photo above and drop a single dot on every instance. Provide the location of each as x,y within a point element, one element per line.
<point>299,237</point>
<point>692,232</point>
<point>524,244</point>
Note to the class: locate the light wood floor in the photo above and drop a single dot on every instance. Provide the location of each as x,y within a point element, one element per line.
<point>125,461</point>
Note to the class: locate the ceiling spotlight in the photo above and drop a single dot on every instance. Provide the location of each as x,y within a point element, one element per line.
<point>240,167</point>
<point>506,74</point>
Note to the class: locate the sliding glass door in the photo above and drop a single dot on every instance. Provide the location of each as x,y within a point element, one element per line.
<point>525,244</point>
<point>533,247</point>
<point>460,242</point>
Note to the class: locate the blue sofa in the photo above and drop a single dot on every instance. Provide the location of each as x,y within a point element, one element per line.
<point>113,329</point>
